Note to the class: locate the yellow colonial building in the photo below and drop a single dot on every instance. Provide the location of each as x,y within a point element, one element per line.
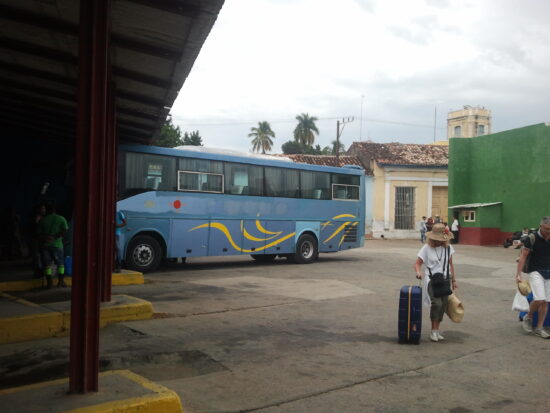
<point>468,122</point>
<point>408,181</point>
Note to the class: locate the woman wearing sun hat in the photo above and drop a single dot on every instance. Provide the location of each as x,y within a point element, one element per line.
<point>437,256</point>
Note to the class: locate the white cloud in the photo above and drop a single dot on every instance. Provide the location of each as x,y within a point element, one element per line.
<point>272,59</point>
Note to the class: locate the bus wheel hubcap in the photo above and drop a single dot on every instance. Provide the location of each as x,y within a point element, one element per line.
<point>307,249</point>
<point>143,254</point>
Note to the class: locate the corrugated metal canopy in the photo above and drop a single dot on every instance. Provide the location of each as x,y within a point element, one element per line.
<point>477,205</point>
<point>154,45</point>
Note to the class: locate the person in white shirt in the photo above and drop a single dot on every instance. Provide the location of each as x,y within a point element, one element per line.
<point>437,257</point>
<point>454,230</point>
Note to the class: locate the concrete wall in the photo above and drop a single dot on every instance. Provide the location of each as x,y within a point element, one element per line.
<point>369,204</point>
<point>509,167</point>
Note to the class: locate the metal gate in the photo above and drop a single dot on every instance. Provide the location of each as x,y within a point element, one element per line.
<point>404,207</point>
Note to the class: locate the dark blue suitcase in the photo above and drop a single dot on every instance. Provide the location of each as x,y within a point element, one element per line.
<point>410,314</point>
<point>536,315</point>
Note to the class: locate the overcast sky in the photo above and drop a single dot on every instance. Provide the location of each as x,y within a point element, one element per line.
<point>391,63</point>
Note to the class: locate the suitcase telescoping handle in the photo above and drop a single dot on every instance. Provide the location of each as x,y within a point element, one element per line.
<point>409,327</point>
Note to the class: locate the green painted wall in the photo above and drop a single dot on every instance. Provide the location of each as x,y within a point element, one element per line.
<point>512,167</point>
<point>486,217</point>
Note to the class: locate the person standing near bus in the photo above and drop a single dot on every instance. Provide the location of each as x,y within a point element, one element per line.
<point>51,230</point>
<point>423,229</point>
<point>120,222</point>
<point>454,229</point>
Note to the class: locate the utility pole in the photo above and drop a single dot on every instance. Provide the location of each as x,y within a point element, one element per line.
<point>435,119</point>
<point>361,120</point>
<point>338,133</point>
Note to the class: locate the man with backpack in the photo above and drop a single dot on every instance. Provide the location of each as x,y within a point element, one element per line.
<point>536,251</point>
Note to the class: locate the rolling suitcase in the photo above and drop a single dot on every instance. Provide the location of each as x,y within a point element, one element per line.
<point>410,314</point>
<point>536,315</point>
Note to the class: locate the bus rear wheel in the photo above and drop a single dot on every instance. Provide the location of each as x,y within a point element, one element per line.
<point>264,257</point>
<point>306,249</point>
<point>144,253</point>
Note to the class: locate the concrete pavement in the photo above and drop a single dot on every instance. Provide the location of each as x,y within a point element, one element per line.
<point>230,334</point>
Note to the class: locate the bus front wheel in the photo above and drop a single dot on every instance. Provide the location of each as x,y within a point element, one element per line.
<point>306,249</point>
<point>144,253</point>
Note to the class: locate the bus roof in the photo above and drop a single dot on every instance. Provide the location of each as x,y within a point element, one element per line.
<point>218,154</point>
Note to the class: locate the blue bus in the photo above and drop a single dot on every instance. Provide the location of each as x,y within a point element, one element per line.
<point>195,202</point>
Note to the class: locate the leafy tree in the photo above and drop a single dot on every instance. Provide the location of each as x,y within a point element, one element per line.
<point>170,135</point>
<point>337,147</point>
<point>262,135</point>
<point>306,129</point>
<point>192,138</point>
<point>292,147</point>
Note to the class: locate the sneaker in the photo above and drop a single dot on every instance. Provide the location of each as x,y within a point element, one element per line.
<point>541,332</point>
<point>439,336</point>
<point>527,324</point>
<point>433,336</point>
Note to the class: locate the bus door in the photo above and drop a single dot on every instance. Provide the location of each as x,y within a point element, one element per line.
<point>189,238</point>
<point>225,237</point>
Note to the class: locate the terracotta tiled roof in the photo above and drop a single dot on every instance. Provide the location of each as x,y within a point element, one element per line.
<point>327,160</point>
<point>395,153</point>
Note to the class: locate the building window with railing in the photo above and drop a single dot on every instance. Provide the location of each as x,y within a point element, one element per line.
<point>404,207</point>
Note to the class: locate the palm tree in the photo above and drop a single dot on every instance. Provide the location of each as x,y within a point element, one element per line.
<point>262,137</point>
<point>306,129</point>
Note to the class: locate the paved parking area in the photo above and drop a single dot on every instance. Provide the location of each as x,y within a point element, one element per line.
<point>231,334</point>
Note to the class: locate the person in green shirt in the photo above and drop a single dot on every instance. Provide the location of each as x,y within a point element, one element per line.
<point>51,230</point>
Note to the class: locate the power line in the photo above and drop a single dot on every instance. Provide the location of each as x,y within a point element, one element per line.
<point>247,122</point>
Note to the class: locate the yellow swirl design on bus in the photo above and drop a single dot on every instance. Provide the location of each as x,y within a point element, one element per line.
<point>344,216</point>
<point>225,231</point>
<point>265,231</point>
<point>340,228</point>
<point>253,238</point>
<point>346,232</point>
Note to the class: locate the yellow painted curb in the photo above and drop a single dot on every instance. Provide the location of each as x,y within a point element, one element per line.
<point>30,327</point>
<point>162,399</point>
<point>140,310</point>
<point>128,278</point>
<point>123,278</point>
<point>22,285</point>
<point>57,323</point>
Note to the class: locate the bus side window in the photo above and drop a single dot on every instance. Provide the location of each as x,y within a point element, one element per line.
<point>150,183</point>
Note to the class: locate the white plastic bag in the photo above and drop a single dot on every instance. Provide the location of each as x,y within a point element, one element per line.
<point>520,302</point>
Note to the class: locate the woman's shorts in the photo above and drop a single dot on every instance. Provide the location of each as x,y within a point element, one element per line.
<point>539,286</point>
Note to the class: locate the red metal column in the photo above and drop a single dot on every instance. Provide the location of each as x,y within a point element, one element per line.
<point>89,198</point>
<point>110,192</point>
